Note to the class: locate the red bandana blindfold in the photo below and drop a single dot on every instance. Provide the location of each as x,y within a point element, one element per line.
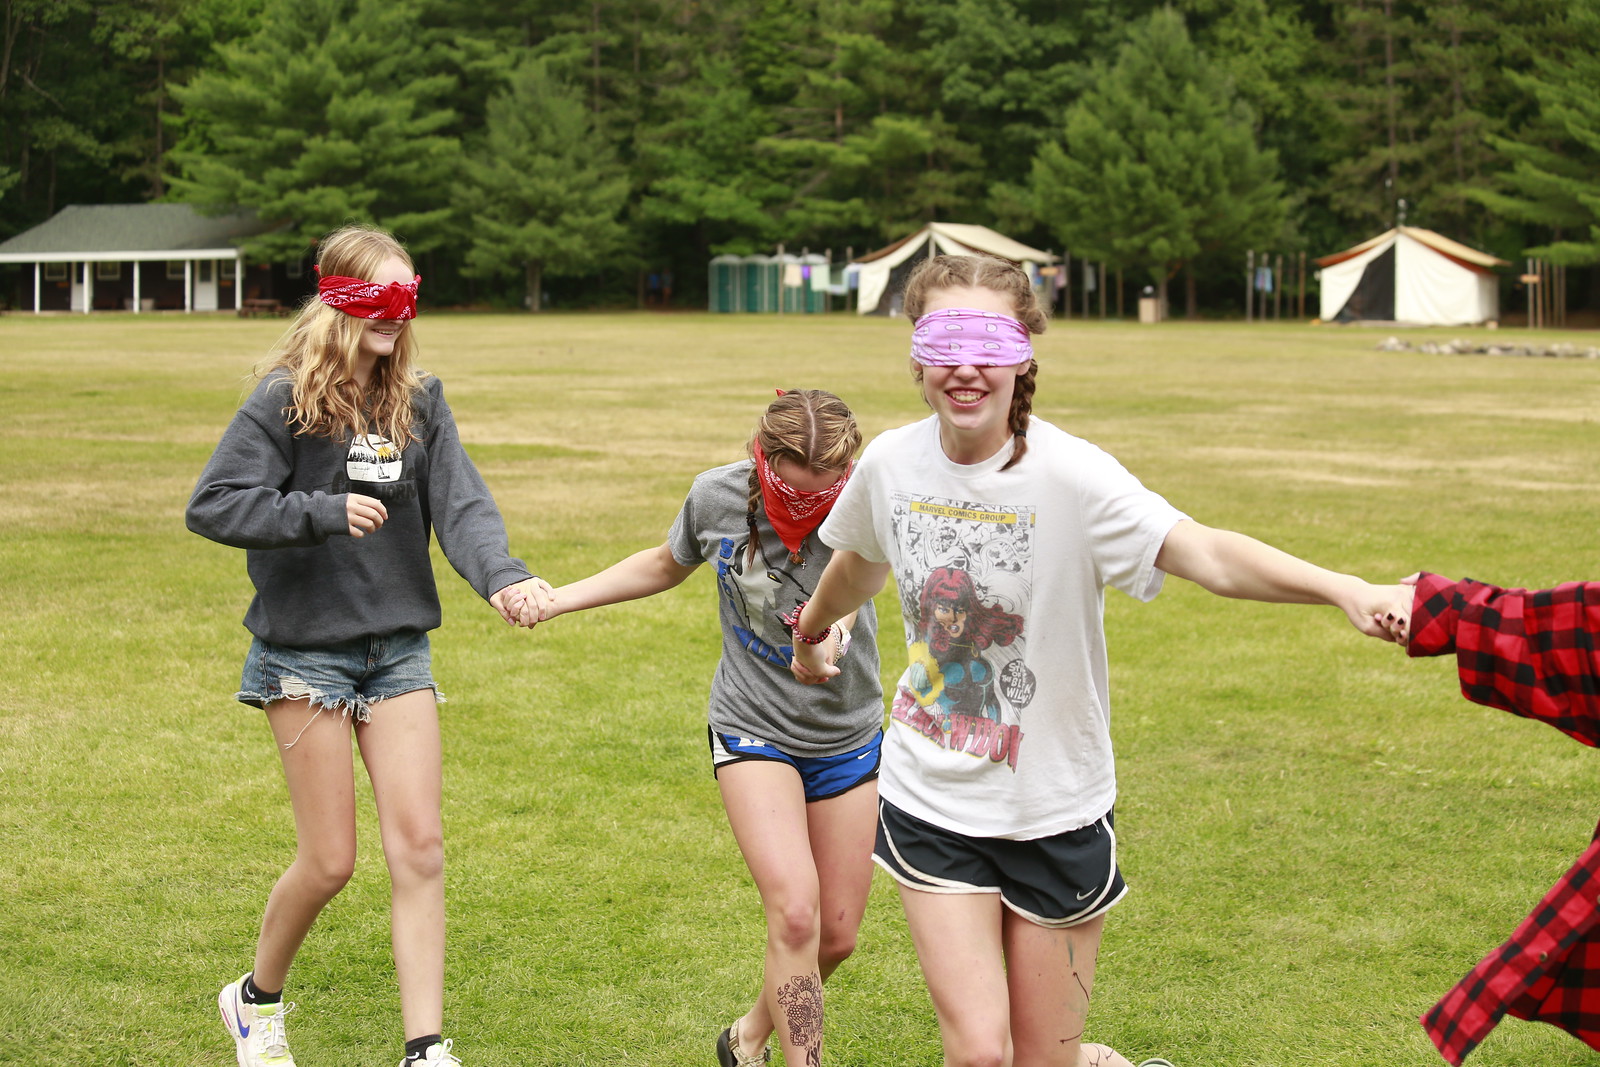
<point>369,300</point>
<point>794,513</point>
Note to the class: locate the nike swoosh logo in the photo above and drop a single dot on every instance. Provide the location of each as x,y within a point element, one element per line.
<point>238,1017</point>
<point>1090,893</point>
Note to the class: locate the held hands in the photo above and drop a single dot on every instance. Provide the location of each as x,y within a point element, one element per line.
<point>814,664</point>
<point>526,603</point>
<point>364,514</point>
<point>1385,611</point>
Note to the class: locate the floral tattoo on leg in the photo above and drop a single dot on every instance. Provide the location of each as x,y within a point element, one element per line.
<point>801,1001</point>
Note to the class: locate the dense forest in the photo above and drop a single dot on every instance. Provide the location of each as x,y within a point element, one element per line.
<point>576,147</point>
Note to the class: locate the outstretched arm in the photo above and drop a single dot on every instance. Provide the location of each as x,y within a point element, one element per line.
<point>849,581</point>
<point>1232,565</point>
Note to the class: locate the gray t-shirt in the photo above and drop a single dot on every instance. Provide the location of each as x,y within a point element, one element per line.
<point>753,694</point>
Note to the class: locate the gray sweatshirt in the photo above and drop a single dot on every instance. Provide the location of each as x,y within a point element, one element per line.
<point>281,497</point>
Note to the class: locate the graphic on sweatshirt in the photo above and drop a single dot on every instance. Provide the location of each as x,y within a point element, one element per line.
<point>758,594</point>
<point>965,576</point>
<point>375,466</point>
<point>373,459</point>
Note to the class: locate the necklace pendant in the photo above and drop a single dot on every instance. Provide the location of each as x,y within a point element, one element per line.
<point>797,559</point>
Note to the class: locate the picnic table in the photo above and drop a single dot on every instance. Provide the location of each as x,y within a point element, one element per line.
<point>254,306</point>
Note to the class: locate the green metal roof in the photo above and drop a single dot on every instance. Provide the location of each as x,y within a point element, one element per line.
<point>102,230</point>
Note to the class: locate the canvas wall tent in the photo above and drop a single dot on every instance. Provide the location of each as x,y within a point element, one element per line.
<point>1413,276</point>
<point>883,273</point>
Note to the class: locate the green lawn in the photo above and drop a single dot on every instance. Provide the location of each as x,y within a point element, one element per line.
<point>1321,836</point>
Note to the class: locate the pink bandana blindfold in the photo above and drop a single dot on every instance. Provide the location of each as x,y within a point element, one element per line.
<point>369,300</point>
<point>955,337</point>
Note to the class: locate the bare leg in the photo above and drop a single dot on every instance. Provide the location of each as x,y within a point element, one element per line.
<point>1051,975</point>
<point>400,747</point>
<point>812,866</point>
<point>321,785</point>
<point>966,974</point>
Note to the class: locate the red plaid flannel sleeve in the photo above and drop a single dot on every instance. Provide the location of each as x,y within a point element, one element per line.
<point>1548,972</point>
<point>1529,653</point>
<point>1532,654</point>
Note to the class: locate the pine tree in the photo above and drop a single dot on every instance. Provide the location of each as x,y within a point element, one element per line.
<point>326,114</point>
<point>704,179</point>
<point>544,191</point>
<point>1551,178</point>
<point>1158,163</point>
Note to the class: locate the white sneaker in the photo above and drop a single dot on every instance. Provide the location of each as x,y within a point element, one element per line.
<point>437,1053</point>
<point>259,1037</point>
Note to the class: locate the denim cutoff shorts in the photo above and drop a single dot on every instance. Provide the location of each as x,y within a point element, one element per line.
<point>348,677</point>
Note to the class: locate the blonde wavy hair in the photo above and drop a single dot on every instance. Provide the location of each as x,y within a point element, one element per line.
<point>1000,276</point>
<point>810,427</point>
<point>320,349</point>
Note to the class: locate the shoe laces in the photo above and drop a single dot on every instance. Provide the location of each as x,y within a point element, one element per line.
<point>445,1055</point>
<point>271,1036</point>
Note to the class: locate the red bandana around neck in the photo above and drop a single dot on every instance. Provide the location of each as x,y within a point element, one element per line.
<point>368,300</point>
<point>794,513</point>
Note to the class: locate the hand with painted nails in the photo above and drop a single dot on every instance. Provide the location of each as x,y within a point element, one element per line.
<point>364,514</point>
<point>1394,614</point>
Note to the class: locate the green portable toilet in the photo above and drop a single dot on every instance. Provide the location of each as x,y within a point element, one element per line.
<point>724,291</point>
<point>759,283</point>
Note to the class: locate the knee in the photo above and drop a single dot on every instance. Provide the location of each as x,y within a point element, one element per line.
<point>982,1055</point>
<point>838,942</point>
<point>971,1042</point>
<point>417,857</point>
<point>325,873</point>
<point>795,924</point>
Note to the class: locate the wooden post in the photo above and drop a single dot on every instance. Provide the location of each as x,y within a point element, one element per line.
<point>1544,295</point>
<point>1066,290</point>
<point>1302,312</point>
<point>136,286</point>
<point>1249,283</point>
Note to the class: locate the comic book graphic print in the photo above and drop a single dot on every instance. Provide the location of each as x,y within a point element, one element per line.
<point>758,592</point>
<point>965,574</point>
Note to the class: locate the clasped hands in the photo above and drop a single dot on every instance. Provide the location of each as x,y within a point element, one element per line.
<point>525,603</point>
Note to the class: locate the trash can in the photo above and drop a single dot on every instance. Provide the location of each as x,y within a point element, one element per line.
<point>1149,309</point>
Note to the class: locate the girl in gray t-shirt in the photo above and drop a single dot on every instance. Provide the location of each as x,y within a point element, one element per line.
<point>797,765</point>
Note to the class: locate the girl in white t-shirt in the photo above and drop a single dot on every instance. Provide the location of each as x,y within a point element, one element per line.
<point>1003,533</point>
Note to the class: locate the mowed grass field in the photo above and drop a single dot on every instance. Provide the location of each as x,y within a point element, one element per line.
<point>1321,836</point>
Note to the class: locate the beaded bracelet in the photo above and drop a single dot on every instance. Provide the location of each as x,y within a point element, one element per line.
<point>792,620</point>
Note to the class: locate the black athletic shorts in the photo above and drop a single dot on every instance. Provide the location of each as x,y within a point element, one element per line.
<point>1062,880</point>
